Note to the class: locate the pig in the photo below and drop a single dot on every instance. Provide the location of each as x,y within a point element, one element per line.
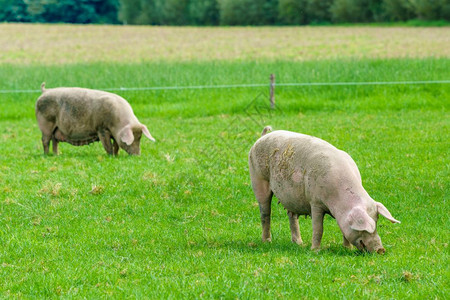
<point>311,177</point>
<point>81,116</point>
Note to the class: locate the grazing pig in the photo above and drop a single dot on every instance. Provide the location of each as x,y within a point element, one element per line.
<point>311,177</point>
<point>82,116</point>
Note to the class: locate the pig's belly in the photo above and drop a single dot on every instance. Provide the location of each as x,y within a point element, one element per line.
<point>292,196</point>
<point>77,138</point>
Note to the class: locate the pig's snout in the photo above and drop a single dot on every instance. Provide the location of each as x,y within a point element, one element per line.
<point>381,250</point>
<point>134,149</point>
<point>371,246</point>
<point>133,152</point>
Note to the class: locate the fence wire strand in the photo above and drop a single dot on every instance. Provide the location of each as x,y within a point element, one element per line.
<point>255,85</point>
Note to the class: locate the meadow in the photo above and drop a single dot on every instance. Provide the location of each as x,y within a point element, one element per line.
<point>181,219</point>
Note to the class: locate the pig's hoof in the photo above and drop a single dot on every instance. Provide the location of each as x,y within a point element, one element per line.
<point>315,248</point>
<point>267,240</point>
<point>298,242</point>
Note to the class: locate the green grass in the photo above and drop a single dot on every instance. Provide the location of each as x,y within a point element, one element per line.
<point>181,219</point>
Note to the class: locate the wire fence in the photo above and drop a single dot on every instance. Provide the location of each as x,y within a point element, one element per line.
<point>255,85</point>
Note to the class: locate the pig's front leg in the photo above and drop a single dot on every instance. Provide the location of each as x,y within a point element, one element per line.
<point>105,138</point>
<point>295,229</point>
<point>346,243</point>
<point>115,147</point>
<point>317,226</point>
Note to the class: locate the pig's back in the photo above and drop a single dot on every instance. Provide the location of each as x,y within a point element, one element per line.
<point>76,104</point>
<point>79,113</point>
<point>281,150</point>
<point>82,97</point>
<point>297,166</point>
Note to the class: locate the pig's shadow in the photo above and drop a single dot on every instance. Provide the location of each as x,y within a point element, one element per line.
<point>287,247</point>
<point>83,155</point>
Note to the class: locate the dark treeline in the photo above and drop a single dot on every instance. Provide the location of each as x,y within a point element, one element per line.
<point>223,12</point>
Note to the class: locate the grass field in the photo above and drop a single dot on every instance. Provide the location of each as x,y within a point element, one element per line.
<point>49,44</point>
<point>181,220</point>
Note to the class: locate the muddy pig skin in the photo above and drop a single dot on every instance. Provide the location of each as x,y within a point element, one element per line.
<point>82,116</point>
<point>309,176</point>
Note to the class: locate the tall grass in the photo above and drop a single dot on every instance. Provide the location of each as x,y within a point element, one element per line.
<point>213,101</point>
<point>181,219</point>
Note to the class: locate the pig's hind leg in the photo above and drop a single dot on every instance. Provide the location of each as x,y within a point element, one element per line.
<point>54,145</point>
<point>57,137</point>
<point>47,129</point>
<point>263,194</point>
<point>46,142</point>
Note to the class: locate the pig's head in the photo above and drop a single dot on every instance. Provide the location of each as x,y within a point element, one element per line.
<point>360,227</point>
<point>130,138</point>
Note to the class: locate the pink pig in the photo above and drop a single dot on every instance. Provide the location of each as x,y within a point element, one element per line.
<point>309,176</point>
<point>82,116</point>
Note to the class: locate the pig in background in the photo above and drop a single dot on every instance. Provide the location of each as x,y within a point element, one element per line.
<point>309,176</point>
<point>81,116</point>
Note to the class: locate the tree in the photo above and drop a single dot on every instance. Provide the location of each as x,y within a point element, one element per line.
<point>172,12</point>
<point>223,12</point>
<point>397,10</point>
<point>203,12</point>
<point>248,12</point>
<point>14,11</point>
<point>429,10</point>
<point>356,10</point>
<point>292,12</point>
<point>318,11</point>
<point>69,11</point>
<point>138,12</point>
<point>107,11</point>
<point>445,10</point>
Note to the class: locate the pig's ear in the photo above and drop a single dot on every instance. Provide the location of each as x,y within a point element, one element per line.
<point>382,210</point>
<point>359,220</point>
<point>147,133</point>
<point>126,135</point>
